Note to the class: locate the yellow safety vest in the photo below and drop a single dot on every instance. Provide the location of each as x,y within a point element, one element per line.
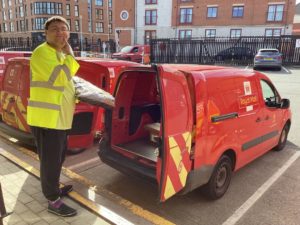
<point>49,76</point>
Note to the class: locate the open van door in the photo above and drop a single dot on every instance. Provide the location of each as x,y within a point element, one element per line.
<point>177,124</point>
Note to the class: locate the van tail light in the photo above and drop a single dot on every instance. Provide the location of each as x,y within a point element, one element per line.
<point>279,57</point>
<point>258,57</point>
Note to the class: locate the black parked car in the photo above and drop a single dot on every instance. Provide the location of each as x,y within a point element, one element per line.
<point>235,53</point>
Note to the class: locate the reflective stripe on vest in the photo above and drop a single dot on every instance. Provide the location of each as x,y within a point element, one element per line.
<point>49,84</point>
<point>44,105</point>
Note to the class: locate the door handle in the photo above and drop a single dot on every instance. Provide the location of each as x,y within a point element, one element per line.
<point>258,120</point>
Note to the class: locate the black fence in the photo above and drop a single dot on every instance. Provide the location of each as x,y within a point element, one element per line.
<point>29,44</point>
<point>222,50</point>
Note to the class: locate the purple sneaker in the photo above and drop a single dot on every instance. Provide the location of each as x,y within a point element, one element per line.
<point>60,209</point>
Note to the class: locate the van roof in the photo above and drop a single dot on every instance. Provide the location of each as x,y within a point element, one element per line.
<point>21,59</point>
<point>191,67</point>
<point>107,62</point>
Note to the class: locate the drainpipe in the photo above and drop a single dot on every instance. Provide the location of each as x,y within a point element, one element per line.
<point>135,22</point>
<point>286,16</point>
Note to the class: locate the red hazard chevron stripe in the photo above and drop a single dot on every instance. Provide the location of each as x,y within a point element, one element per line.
<point>179,164</point>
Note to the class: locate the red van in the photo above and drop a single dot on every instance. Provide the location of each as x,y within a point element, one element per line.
<point>136,53</point>
<point>5,56</point>
<point>87,122</point>
<point>185,126</point>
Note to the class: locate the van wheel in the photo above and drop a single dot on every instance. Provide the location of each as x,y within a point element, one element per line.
<point>220,179</point>
<point>283,137</point>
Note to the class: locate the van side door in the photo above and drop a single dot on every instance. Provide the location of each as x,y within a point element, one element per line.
<point>272,114</point>
<point>176,127</point>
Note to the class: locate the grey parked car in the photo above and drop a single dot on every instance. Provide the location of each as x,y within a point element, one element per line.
<point>270,58</point>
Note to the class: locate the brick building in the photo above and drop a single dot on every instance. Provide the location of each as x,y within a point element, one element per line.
<point>296,25</point>
<point>89,19</point>
<point>143,19</point>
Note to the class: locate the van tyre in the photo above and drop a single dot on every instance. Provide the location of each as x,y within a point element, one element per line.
<point>283,137</point>
<point>220,179</point>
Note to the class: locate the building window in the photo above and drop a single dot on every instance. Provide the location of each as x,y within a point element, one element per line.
<point>186,15</point>
<point>69,22</point>
<point>22,25</point>
<point>212,12</point>
<point>150,17</point>
<point>39,23</point>
<point>10,15</point>
<point>99,14</point>
<point>3,6</point>
<point>275,13</point>
<point>76,10</point>
<point>68,11</point>
<point>147,2</point>
<point>4,15</point>
<point>110,15</point>
<point>21,11</point>
<point>99,27</point>
<point>237,11</point>
<point>273,32</point>
<point>12,27</point>
<point>183,34</point>
<point>99,2</point>
<point>77,25</point>
<point>110,28</point>
<point>149,34</point>
<point>110,3</point>
<point>50,8</point>
<point>90,26</point>
<point>4,27</point>
<point>210,33</point>
<point>235,33</point>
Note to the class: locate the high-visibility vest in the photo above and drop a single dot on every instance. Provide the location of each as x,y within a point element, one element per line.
<point>49,77</point>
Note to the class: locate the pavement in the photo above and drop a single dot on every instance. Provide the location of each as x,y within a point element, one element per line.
<point>23,197</point>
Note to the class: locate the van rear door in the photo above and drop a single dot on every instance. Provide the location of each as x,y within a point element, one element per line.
<point>10,94</point>
<point>177,123</point>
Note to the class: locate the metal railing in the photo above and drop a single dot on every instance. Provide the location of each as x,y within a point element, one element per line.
<point>29,44</point>
<point>222,50</point>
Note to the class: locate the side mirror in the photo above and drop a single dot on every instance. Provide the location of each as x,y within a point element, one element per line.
<point>285,103</point>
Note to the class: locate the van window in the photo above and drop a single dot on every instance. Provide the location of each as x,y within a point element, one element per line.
<point>270,95</point>
<point>134,50</point>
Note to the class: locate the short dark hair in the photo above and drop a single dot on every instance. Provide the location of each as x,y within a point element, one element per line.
<point>54,19</point>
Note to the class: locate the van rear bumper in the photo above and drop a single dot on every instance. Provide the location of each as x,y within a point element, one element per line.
<point>18,134</point>
<point>124,164</point>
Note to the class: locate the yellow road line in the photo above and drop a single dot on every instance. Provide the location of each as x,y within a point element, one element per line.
<point>98,209</point>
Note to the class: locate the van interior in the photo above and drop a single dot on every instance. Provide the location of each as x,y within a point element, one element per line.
<point>136,128</point>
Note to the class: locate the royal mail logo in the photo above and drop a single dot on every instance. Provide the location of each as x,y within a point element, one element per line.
<point>248,100</point>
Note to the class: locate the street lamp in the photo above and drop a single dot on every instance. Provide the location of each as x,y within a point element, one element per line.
<point>81,38</point>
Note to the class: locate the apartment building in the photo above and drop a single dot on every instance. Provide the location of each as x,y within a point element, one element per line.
<point>89,19</point>
<point>205,18</point>
<point>296,25</point>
